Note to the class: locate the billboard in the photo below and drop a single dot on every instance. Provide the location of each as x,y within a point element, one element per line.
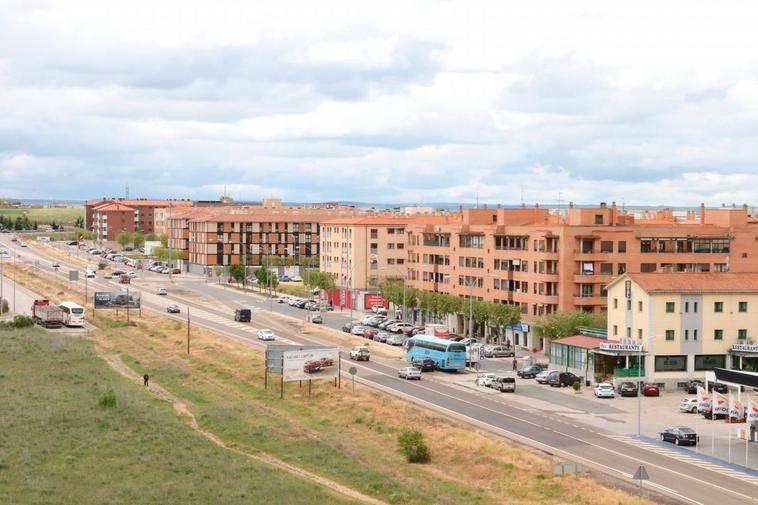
<point>117,300</point>
<point>274,354</point>
<point>373,299</point>
<point>311,364</point>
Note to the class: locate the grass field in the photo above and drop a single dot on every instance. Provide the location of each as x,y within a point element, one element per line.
<point>47,215</point>
<point>344,436</point>
<point>61,447</point>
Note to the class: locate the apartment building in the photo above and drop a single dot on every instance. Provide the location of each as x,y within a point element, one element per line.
<point>685,324</point>
<point>111,218</point>
<point>545,261</point>
<point>143,212</point>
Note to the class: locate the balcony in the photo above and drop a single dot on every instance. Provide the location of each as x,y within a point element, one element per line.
<point>590,300</point>
<point>592,278</point>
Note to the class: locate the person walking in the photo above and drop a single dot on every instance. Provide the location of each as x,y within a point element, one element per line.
<point>146,380</point>
<point>515,364</point>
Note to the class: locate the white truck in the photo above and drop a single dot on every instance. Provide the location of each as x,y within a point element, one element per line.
<point>360,353</point>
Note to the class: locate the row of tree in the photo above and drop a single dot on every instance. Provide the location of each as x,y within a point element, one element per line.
<point>20,223</point>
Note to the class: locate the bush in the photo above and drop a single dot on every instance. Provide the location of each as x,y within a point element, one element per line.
<point>412,445</point>
<point>101,265</point>
<point>107,399</point>
<point>22,321</point>
<point>577,385</point>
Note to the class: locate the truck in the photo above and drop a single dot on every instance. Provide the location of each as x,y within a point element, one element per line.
<point>46,314</point>
<point>360,353</point>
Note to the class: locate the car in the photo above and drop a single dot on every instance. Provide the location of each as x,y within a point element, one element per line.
<point>360,353</point>
<point>162,291</point>
<point>283,299</point>
<point>393,339</point>
<point>651,389</point>
<point>118,273</point>
<point>374,321</point>
<point>628,389</point>
<point>719,387</point>
<point>381,336</point>
<point>348,327</point>
<point>108,276</point>
<point>366,319</point>
<point>72,242</point>
<point>543,376</point>
<point>312,306</point>
<point>132,274</point>
<point>485,379</point>
<point>499,351</point>
<point>383,325</point>
<point>529,372</point>
<point>242,315</point>
<point>90,274</point>
<point>317,319</point>
<point>680,435</point>
<point>175,271</point>
<point>692,386</point>
<point>562,379</point>
<point>284,278</point>
<point>357,330</point>
<point>266,334</point>
<point>504,383</point>
<point>419,330</point>
<point>296,278</point>
<point>425,365</point>
<point>376,308</point>
<point>312,366</point>
<point>409,372</point>
<point>688,405</point>
<point>369,333</point>
<point>604,390</point>
<point>173,309</point>
<point>56,264</point>
<point>399,327</point>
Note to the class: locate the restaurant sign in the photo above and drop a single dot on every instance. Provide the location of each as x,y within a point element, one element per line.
<point>607,346</point>
<point>744,348</point>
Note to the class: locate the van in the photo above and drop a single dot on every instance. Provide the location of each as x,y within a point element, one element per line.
<point>242,315</point>
<point>504,383</point>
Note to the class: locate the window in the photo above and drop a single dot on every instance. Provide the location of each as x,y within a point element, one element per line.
<point>639,306</point>
<point>628,305</point>
<point>390,246</point>
<point>606,246</point>
<point>694,306</point>
<point>686,306</point>
<point>742,334</point>
<point>390,231</point>
<point>622,246</point>
<point>709,361</point>
<point>615,303</point>
<point>669,334</point>
<point>615,330</point>
<point>694,334</point>
<point>606,268</point>
<point>718,334</point>
<point>647,267</point>
<point>670,306</point>
<point>400,245</point>
<point>598,219</point>
<point>671,363</point>
<point>374,233</point>
<point>718,306</point>
<point>471,241</point>
<point>742,306</point>
<point>622,268</point>
<point>390,261</point>
<point>628,332</point>
<point>639,333</point>
<point>686,334</point>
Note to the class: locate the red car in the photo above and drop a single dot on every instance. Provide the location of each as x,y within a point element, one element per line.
<point>651,389</point>
<point>312,366</point>
<point>370,333</point>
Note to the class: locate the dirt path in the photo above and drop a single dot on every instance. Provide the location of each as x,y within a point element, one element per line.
<point>119,366</point>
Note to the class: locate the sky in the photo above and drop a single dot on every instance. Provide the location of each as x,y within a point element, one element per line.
<point>650,103</point>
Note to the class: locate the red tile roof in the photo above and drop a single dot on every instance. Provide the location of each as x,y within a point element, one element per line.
<point>142,203</point>
<point>691,282</point>
<point>581,341</point>
<point>113,206</point>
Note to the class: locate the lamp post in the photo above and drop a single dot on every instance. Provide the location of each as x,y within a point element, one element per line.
<point>168,243</point>
<point>639,387</point>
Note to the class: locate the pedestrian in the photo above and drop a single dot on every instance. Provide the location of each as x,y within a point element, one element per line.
<point>146,379</point>
<point>508,343</point>
<point>515,364</point>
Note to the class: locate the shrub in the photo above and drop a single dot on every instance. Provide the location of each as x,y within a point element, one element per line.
<point>101,265</point>
<point>107,399</point>
<point>412,445</point>
<point>576,385</point>
<point>22,321</point>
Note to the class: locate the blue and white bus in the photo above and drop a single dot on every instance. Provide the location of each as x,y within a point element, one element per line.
<point>447,354</point>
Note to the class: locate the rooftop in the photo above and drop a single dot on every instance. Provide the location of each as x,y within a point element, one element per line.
<point>582,341</point>
<point>693,282</point>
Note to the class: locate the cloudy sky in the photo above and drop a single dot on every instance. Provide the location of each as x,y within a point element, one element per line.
<point>643,102</point>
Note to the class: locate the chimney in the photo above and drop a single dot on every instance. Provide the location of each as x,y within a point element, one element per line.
<point>571,205</point>
<point>603,205</point>
<point>702,213</point>
<point>614,213</point>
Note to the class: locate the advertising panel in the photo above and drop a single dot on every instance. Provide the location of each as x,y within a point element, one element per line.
<point>311,364</point>
<point>373,299</point>
<point>117,300</point>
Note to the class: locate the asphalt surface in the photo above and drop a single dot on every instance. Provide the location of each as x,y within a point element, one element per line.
<point>684,478</point>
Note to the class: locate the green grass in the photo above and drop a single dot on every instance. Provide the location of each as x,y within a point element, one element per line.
<point>46,215</point>
<point>60,447</point>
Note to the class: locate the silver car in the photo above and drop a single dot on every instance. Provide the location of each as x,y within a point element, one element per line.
<point>409,372</point>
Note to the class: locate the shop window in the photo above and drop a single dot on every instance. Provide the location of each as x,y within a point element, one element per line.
<point>671,363</point>
<point>669,334</point>
<point>742,334</point>
<point>742,306</point>
<point>670,306</point>
<point>709,361</point>
<point>718,334</point>
<point>718,306</point>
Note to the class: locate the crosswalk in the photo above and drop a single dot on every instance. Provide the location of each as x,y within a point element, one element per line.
<point>693,460</point>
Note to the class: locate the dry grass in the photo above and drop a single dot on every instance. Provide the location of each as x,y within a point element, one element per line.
<point>349,437</point>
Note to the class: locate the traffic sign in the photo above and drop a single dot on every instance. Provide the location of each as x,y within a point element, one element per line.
<point>641,474</point>
<point>481,354</point>
<point>353,370</point>
<point>73,275</point>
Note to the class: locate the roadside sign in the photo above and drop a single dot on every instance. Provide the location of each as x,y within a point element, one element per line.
<point>641,474</point>
<point>481,354</point>
<point>73,275</point>
<point>353,370</point>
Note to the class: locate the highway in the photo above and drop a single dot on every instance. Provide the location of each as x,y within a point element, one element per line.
<point>683,478</point>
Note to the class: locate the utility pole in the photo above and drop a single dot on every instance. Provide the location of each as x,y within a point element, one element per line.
<point>168,242</point>
<point>14,280</point>
<point>188,329</point>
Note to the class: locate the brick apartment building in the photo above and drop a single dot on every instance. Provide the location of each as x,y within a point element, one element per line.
<point>125,215</point>
<point>544,262</point>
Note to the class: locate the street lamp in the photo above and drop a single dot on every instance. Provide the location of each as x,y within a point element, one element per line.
<point>639,386</point>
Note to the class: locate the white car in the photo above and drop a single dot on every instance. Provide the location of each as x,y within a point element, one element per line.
<point>399,327</point>
<point>266,335</point>
<point>605,390</point>
<point>377,308</point>
<point>357,330</point>
<point>542,376</point>
<point>688,405</point>
<point>296,278</point>
<point>162,291</point>
<point>409,372</point>
<point>90,274</point>
<point>485,379</point>
<point>283,299</point>
<point>132,274</point>
<point>395,340</point>
<point>367,319</point>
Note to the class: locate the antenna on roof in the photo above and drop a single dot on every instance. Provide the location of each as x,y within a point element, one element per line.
<point>522,194</point>
<point>126,191</point>
<point>477,199</point>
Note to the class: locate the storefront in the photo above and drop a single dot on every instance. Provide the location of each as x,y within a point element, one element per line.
<point>616,362</point>
<point>575,354</point>
<point>744,357</point>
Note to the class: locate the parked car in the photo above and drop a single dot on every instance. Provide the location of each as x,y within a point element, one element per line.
<point>360,353</point>
<point>499,351</point>
<point>562,379</point>
<point>393,339</point>
<point>347,327</point>
<point>425,365</point>
<point>688,405</point>
<point>399,327</point>
<point>369,333</point>
<point>604,390</point>
<point>504,383</point>
<point>381,336</point>
<point>283,299</point>
<point>266,334</point>
<point>377,308</point>
<point>485,379</point>
<point>173,309</point>
<point>161,291</point>
<point>529,372</point>
<point>119,272</point>
<point>388,322</point>
<point>90,274</point>
<point>680,435</point>
<point>56,264</point>
<point>628,389</point>
<point>284,278</point>
<point>108,276</point>
<point>358,330</point>
<point>692,386</point>
<point>242,315</point>
<point>409,372</point>
<point>367,319</point>
<point>311,305</point>
<point>719,387</point>
<point>132,274</point>
<point>707,413</point>
<point>543,376</point>
<point>651,389</point>
<point>296,278</point>
<point>317,319</point>
<point>374,321</point>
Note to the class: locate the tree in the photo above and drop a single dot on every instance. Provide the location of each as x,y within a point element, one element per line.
<point>561,324</point>
<point>237,272</point>
<point>321,280</point>
<point>219,271</point>
<point>161,253</point>
<point>124,238</point>
<point>164,240</point>
<point>266,277</point>
<point>138,239</point>
<point>502,315</point>
<point>79,222</point>
<point>152,237</point>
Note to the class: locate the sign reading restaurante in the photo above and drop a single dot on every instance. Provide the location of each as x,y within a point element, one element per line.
<point>607,346</point>
<point>744,348</point>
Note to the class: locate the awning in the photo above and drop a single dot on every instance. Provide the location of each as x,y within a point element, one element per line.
<point>619,353</point>
<point>749,379</point>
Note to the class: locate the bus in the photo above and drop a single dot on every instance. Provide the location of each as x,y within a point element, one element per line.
<point>448,355</point>
<point>74,314</point>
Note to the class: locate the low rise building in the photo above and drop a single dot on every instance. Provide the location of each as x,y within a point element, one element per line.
<point>142,212</point>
